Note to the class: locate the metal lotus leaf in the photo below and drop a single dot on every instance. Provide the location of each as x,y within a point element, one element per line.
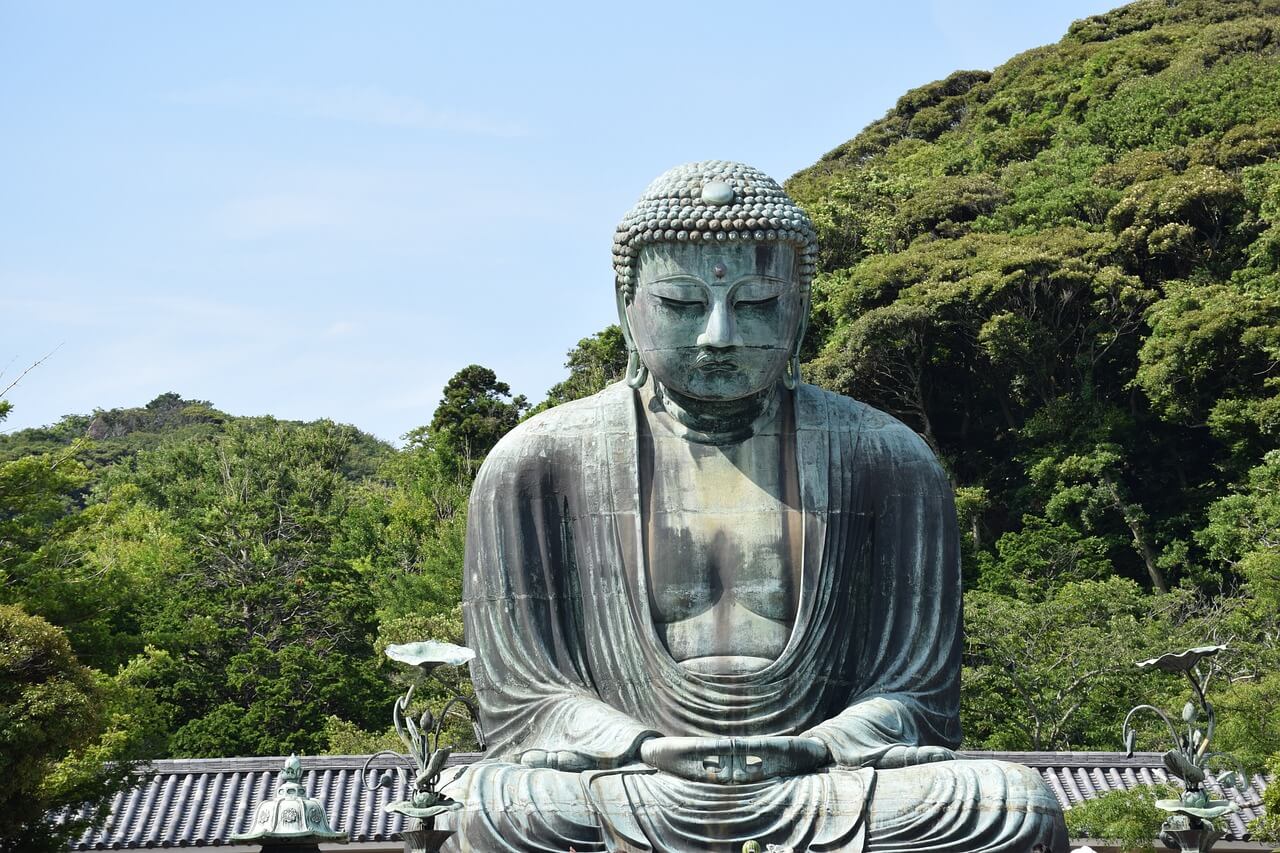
<point>1180,661</point>
<point>1211,809</point>
<point>429,654</point>
<point>423,806</point>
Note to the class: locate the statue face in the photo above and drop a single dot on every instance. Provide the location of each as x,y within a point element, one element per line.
<point>716,322</point>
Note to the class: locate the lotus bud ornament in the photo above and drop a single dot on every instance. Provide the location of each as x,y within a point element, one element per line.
<point>421,737</point>
<point>1190,826</point>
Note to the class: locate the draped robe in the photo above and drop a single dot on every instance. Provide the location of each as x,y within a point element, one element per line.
<point>570,662</point>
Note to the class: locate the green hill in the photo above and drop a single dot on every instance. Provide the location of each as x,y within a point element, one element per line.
<point>1063,273</point>
<point>115,435</point>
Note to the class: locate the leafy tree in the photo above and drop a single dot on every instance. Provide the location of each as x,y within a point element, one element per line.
<point>1064,275</point>
<point>1211,360</point>
<point>49,709</point>
<point>42,565</point>
<point>37,499</point>
<point>1244,531</point>
<point>1060,674</point>
<point>1267,827</point>
<point>475,411</point>
<point>594,363</point>
<point>408,528</point>
<point>1031,563</point>
<point>268,621</point>
<point>1173,223</point>
<point>1127,818</point>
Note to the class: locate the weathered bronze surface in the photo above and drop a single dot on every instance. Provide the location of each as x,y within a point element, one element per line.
<point>714,605</point>
<point>290,820</point>
<point>1191,825</point>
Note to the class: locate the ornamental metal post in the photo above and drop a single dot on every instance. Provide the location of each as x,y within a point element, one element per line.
<point>1191,825</point>
<point>421,738</point>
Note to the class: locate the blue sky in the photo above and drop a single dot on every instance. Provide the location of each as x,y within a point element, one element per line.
<point>318,209</point>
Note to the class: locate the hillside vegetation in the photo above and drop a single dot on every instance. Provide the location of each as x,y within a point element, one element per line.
<point>1065,275</point>
<point>178,581</point>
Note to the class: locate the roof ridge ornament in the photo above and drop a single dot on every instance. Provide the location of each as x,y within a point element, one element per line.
<point>290,820</point>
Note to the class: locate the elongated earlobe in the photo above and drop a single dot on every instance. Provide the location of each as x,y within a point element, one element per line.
<point>637,373</point>
<point>791,375</point>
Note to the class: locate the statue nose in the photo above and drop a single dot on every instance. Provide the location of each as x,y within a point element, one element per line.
<point>721,332</point>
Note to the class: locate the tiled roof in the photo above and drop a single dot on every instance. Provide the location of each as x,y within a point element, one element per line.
<point>1078,776</point>
<point>201,802</point>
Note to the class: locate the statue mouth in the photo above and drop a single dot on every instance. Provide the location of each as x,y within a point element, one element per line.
<point>715,363</point>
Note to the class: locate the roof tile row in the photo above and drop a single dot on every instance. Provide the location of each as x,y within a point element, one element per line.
<point>202,802</point>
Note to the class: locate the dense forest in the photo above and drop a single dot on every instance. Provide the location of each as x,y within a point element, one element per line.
<point>1064,274</point>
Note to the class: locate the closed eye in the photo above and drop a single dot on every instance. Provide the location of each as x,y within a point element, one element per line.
<point>672,302</point>
<point>768,300</point>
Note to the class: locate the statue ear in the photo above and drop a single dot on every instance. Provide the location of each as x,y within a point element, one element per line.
<point>637,373</point>
<point>791,373</point>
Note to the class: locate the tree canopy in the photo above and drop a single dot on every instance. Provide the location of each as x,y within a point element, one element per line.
<point>1064,274</point>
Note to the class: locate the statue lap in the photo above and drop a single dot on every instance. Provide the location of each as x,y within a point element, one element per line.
<point>978,806</point>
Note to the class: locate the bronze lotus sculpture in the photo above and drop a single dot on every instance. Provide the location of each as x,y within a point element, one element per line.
<point>1191,824</point>
<point>421,736</point>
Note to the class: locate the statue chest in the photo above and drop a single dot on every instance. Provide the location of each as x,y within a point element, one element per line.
<point>723,549</point>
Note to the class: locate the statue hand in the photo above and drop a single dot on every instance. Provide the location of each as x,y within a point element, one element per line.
<point>735,760</point>
<point>564,759</point>
<point>908,756</point>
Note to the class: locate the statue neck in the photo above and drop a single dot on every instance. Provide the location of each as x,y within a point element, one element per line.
<point>716,421</point>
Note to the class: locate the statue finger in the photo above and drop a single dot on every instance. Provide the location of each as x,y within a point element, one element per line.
<point>534,758</point>
<point>572,762</point>
<point>929,754</point>
<point>894,757</point>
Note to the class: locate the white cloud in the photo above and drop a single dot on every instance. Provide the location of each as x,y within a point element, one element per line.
<point>361,104</point>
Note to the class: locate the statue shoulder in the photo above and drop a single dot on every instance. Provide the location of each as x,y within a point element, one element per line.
<point>879,434</point>
<point>558,435</point>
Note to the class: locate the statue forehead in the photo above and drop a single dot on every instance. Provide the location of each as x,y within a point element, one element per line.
<point>712,263</point>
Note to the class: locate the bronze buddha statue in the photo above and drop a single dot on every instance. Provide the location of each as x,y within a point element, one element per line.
<point>713,604</point>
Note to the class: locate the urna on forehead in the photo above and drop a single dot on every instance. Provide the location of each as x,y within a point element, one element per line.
<point>708,203</point>
<point>717,263</point>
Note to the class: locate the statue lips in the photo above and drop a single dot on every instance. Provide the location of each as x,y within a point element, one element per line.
<point>715,363</point>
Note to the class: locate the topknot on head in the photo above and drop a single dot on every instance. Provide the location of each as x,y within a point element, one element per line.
<point>713,201</point>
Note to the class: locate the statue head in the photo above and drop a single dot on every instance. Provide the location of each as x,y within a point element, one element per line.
<point>713,268</point>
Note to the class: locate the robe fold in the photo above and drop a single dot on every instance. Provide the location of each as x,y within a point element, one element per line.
<point>569,660</point>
